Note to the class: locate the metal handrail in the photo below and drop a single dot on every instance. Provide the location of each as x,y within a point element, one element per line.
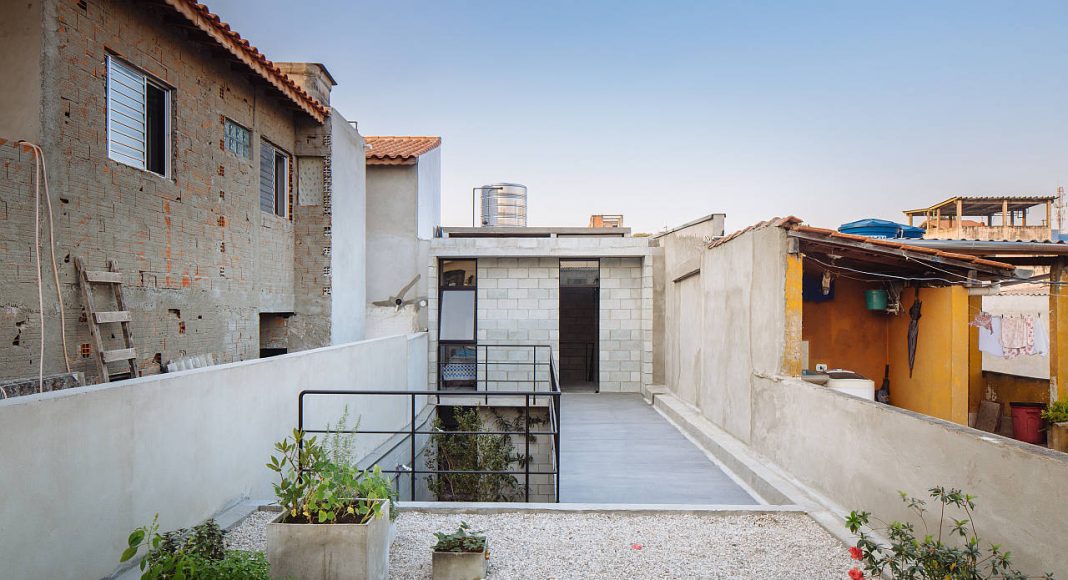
<point>412,430</point>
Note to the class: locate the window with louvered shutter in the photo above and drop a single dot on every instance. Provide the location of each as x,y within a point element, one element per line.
<point>138,118</point>
<point>274,179</point>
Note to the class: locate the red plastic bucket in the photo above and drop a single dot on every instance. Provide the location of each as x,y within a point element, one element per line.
<point>1027,422</point>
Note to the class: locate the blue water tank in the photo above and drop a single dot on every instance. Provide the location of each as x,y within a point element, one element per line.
<point>876,228</point>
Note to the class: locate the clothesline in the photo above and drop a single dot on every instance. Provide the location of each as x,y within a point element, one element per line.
<point>1011,335</point>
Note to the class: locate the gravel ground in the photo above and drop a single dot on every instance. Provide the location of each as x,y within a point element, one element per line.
<point>571,545</point>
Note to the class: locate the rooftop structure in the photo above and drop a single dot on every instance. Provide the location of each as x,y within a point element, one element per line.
<point>991,218</point>
<point>606,221</point>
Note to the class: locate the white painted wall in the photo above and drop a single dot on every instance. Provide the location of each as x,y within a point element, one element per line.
<point>81,468</point>
<point>348,254</point>
<point>429,200</point>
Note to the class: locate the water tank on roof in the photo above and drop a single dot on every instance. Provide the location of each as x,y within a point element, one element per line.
<point>504,204</point>
<point>876,228</point>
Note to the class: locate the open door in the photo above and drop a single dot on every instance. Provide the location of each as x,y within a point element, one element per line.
<point>580,306</point>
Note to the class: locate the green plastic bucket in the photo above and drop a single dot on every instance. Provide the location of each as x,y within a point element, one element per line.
<point>875,299</point>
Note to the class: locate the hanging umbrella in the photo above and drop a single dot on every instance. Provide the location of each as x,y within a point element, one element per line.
<point>914,329</point>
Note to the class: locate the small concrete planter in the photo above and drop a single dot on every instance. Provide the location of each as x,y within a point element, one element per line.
<point>1058,437</point>
<point>329,551</point>
<point>461,565</point>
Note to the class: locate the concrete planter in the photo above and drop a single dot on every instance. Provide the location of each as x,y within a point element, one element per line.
<point>1058,437</point>
<point>329,551</point>
<point>461,565</point>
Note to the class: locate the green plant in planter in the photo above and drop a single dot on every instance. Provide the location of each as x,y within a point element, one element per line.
<point>462,540</point>
<point>951,551</point>
<point>1057,412</point>
<point>192,554</point>
<point>313,489</point>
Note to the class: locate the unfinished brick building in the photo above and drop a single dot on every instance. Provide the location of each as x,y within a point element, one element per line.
<point>208,175</point>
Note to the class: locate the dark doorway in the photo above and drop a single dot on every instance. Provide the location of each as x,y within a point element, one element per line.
<point>580,303</point>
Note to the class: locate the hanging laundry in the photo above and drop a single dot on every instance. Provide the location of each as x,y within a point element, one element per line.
<point>1041,345</point>
<point>990,337</point>
<point>982,320</point>
<point>1018,335</point>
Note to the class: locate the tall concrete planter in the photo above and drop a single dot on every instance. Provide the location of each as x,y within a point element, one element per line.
<point>460,565</point>
<point>1058,437</point>
<point>330,551</point>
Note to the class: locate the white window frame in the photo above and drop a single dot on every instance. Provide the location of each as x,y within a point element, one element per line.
<point>118,66</point>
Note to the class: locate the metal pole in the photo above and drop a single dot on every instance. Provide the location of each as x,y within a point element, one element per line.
<point>559,426</point>
<point>526,436</point>
<point>412,435</point>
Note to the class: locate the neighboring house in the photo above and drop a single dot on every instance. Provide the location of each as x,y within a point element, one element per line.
<point>221,185</point>
<point>403,212</point>
<point>987,218</point>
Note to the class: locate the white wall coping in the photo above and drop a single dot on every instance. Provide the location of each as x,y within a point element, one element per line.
<point>87,389</point>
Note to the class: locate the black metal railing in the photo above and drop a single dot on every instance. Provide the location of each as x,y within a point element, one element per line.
<point>496,367</point>
<point>416,427</point>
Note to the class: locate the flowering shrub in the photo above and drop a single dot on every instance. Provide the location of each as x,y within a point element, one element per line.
<point>949,552</point>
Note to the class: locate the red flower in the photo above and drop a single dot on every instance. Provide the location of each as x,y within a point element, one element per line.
<point>855,574</point>
<point>855,553</point>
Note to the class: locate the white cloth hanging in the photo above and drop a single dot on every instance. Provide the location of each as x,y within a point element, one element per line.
<point>1041,345</point>
<point>990,340</point>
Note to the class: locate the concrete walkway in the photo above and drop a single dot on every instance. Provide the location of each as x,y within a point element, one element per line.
<point>616,449</point>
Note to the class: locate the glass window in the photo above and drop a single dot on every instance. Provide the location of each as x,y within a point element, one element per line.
<point>457,315</point>
<point>458,273</point>
<point>274,179</point>
<point>138,118</point>
<point>580,273</point>
<point>238,139</point>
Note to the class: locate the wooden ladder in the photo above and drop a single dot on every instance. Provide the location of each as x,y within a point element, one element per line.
<point>86,279</point>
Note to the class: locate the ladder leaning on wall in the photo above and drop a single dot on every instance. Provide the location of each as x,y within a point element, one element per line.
<point>113,280</point>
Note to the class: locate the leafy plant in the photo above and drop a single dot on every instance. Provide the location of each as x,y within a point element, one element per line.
<point>341,442</point>
<point>950,552</point>
<point>472,451</point>
<point>313,489</point>
<point>191,554</point>
<point>1057,412</point>
<point>462,540</point>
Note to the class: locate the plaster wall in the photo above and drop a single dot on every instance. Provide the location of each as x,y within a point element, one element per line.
<point>21,37</point>
<point>843,334</point>
<point>186,445</point>
<point>395,253</point>
<point>428,205</point>
<point>743,321</point>
<point>858,454</point>
<point>349,249</point>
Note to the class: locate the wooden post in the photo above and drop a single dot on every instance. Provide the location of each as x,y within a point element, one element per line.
<point>1004,219</point>
<point>960,211</point>
<point>1058,329</point>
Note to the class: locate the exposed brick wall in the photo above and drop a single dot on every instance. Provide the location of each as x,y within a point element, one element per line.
<point>200,259</point>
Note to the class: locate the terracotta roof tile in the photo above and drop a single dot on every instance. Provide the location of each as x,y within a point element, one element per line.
<point>215,28</point>
<point>398,150</point>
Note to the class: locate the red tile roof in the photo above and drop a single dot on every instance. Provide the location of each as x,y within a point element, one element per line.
<point>796,224</point>
<point>210,23</point>
<point>398,150</point>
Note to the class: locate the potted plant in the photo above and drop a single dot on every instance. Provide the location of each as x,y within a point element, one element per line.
<point>460,555</point>
<point>1057,416</point>
<point>335,518</point>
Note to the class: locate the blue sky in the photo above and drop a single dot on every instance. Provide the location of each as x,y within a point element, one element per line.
<point>666,111</point>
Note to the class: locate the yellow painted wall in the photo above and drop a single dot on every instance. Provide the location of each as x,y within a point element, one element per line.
<point>1058,331</point>
<point>844,334</point>
<point>791,362</point>
<point>939,385</point>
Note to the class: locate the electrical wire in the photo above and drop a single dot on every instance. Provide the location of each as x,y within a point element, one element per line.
<point>41,170</point>
<point>878,274</point>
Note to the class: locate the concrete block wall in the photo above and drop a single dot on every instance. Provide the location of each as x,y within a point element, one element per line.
<point>542,458</point>
<point>200,259</point>
<point>518,304</point>
<point>625,325</point>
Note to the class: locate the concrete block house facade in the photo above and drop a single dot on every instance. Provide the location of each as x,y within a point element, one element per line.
<point>583,294</point>
<point>205,173</point>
